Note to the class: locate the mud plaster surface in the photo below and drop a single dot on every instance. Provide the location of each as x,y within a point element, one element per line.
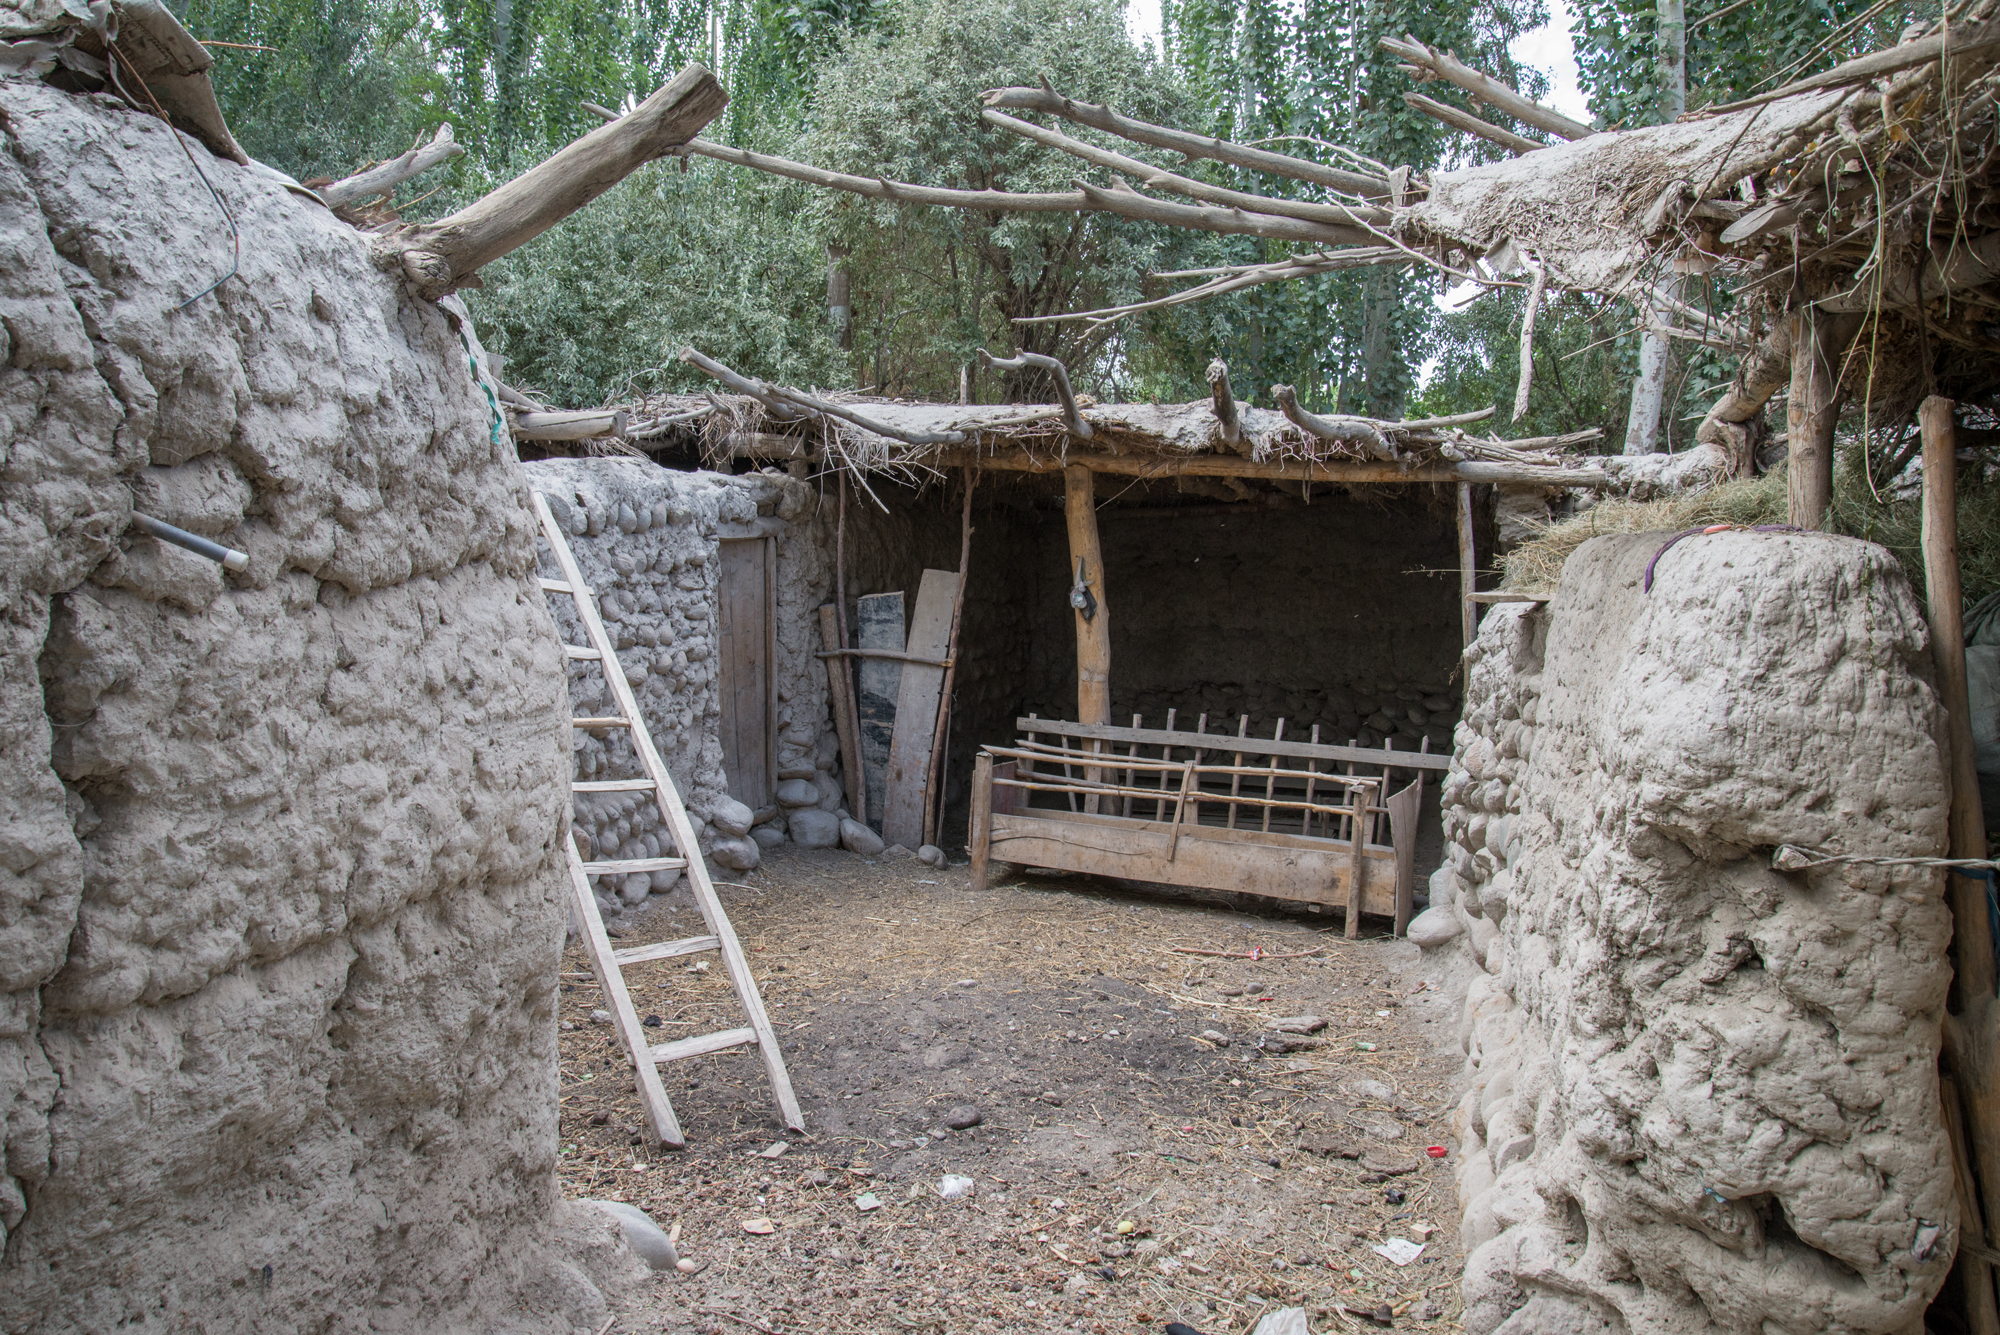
<point>279,897</point>
<point>1054,1004</point>
<point>1703,1093</point>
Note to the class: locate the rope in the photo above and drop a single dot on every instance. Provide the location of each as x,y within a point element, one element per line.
<point>1790,857</point>
<point>1704,530</point>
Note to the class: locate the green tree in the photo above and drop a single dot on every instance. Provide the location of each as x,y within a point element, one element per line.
<point>1313,76</point>
<point>929,286</point>
<point>730,263</point>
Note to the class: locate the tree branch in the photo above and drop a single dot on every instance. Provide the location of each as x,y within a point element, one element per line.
<point>741,384</point>
<point>1123,201</point>
<point>1336,215</point>
<point>791,402</point>
<point>1225,403</point>
<point>1471,124</point>
<point>439,257</point>
<point>1046,99</point>
<point>1444,65</point>
<point>1235,279</point>
<point>1057,371</point>
<point>1341,430</point>
<point>386,176</point>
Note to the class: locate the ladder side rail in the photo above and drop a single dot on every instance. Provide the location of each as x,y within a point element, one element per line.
<point>679,826</point>
<point>597,945</point>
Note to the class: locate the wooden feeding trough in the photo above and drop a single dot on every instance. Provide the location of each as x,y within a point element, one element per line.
<point>1205,810</point>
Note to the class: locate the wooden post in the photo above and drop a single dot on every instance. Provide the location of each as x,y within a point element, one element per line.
<point>839,691</point>
<point>1972,1024</point>
<point>1093,637</point>
<point>979,834</point>
<point>1468,567</point>
<point>1982,1313</point>
<point>1818,341</point>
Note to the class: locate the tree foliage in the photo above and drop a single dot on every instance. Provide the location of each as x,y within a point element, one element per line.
<point>1314,75</point>
<point>930,286</point>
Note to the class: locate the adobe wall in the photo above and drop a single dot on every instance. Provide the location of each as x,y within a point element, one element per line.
<point>1701,1093</point>
<point>280,897</point>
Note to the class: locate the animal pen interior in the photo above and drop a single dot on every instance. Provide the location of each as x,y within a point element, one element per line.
<point>356,675</point>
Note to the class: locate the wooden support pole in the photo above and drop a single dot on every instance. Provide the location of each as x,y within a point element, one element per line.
<point>1975,1274</point>
<point>1818,341</point>
<point>1468,568</point>
<point>1093,634</point>
<point>1972,1023</point>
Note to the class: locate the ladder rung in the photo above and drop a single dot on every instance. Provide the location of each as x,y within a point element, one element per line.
<point>556,586</point>
<point>579,651</point>
<point>620,866</point>
<point>667,950</point>
<point>701,1043</point>
<point>600,723</point>
<point>612,786</point>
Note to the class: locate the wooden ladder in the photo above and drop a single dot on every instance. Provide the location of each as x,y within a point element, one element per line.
<point>608,964</point>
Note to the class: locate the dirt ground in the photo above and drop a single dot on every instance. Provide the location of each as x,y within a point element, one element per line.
<point>1130,1167</point>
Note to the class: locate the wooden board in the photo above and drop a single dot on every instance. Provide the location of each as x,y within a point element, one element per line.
<point>916,711</point>
<point>880,617</point>
<point>1252,746</point>
<point>1314,871</point>
<point>743,620</point>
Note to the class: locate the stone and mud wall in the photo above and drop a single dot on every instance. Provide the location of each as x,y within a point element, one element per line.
<point>1701,1093</point>
<point>281,894</point>
<point>648,540</point>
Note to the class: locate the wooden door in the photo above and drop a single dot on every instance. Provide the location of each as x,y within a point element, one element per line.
<point>745,628</point>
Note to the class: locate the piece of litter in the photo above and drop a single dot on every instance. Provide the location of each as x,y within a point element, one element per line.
<point>1364,1047</point>
<point>926,882</point>
<point>1400,1250</point>
<point>867,1201</point>
<point>1382,1014</point>
<point>954,1187</point>
<point>1126,1226</point>
<point>777,1148</point>
<point>1436,1151</point>
<point>766,1226</point>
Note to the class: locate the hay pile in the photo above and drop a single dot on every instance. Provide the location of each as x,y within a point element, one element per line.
<point>1894,521</point>
<point>1536,566</point>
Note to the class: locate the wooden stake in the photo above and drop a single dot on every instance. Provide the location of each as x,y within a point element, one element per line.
<point>1972,1026</point>
<point>933,783</point>
<point>1093,636</point>
<point>1468,567</point>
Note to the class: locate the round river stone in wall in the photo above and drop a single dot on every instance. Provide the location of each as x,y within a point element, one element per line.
<point>858,838</point>
<point>737,854</point>
<point>812,828</point>
<point>797,793</point>
<point>732,817</point>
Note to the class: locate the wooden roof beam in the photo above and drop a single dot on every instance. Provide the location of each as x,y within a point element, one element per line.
<point>1229,465</point>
